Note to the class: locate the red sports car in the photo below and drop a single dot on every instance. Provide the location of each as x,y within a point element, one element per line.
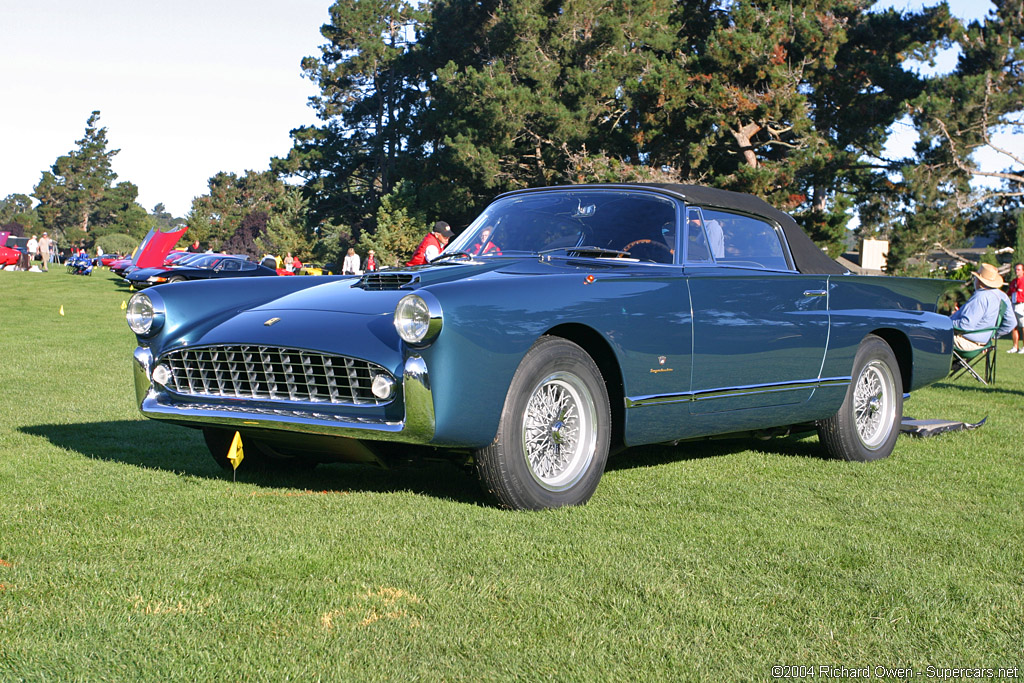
<point>8,256</point>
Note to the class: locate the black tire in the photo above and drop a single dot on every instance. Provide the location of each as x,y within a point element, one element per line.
<point>176,278</point>
<point>868,423</point>
<point>557,398</point>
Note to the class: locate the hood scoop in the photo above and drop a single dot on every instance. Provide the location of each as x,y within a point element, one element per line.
<point>383,281</point>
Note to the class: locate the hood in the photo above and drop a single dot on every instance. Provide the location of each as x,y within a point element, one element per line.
<point>156,246</point>
<point>378,291</point>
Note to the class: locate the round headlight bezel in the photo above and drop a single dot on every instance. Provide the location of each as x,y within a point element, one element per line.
<point>145,313</point>
<point>418,318</point>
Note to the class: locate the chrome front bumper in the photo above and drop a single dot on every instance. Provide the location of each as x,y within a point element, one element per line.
<point>417,427</point>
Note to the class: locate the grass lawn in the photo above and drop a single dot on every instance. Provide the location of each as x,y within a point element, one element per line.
<point>126,553</point>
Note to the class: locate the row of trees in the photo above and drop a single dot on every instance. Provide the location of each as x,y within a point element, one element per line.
<point>79,203</point>
<point>430,108</point>
<point>441,105</point>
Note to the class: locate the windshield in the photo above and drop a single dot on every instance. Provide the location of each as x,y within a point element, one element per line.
<point>206,261</point>
<point>596,223</point>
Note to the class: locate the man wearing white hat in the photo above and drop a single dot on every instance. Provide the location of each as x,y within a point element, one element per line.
<point>981,310</point>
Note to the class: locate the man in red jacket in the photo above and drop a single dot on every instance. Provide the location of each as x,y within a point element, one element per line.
<point>432,245</point>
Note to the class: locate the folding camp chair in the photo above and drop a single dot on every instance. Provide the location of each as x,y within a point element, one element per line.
<point>965,361</point>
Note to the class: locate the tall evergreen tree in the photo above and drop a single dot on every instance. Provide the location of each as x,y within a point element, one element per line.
<point>789,101</point>
<point>71,190</point>
<point>369,97</point>
<point>958,115</point>
<point>77,196</point>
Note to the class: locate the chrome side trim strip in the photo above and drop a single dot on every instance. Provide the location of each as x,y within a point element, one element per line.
<point>728,392</point>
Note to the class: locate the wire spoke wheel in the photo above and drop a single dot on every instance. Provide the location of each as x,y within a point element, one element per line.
<point>559,431</point>
<point>554,433</point>
<point>873,404</point>
<point>867,425</point>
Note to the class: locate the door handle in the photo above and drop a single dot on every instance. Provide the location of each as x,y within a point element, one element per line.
<point>815,292</point>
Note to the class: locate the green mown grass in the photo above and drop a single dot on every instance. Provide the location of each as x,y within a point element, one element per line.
<point>126,553</point>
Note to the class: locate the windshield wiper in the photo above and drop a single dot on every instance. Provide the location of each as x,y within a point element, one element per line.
<point>451,254</point>
<point>596,252</point>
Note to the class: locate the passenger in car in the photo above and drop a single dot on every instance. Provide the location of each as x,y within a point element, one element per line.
<point>716,237</point>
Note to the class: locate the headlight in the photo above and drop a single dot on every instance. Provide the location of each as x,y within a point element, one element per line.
<point>146,313</point>
<point>140,313</point>
<point>418,318</point>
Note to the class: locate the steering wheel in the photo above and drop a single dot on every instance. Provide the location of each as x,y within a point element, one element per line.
<point>652,243</point>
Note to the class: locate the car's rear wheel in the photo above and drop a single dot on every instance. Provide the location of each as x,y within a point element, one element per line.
<point>868,423</point>
<point>552,441</point>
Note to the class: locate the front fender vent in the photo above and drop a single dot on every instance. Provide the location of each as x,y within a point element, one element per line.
<point>272,373</point>
<point>378,281</point>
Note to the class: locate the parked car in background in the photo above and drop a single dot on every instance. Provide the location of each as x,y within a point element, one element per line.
<point>175,256</point>
<point>562,325</point>
<point>8,255</point>
<point>203,267</point>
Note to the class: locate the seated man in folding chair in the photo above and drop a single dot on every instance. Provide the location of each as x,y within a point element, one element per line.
<point>981,311</point>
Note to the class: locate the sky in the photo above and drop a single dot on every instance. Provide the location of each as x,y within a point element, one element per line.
<point>185,89</point>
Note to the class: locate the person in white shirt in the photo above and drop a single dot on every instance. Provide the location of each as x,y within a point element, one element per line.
<point>350,266</point>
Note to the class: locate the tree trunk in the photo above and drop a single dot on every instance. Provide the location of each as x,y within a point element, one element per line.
<point>743,136</point>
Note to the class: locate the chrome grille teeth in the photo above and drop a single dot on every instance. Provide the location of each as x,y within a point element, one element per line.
<point>270,373</point>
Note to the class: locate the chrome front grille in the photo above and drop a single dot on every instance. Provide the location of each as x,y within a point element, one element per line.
<point>379,280</point>
<point>272,373</point>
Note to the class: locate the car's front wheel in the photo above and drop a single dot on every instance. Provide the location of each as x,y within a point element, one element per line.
<point>868,423</point>
<point>552,441</point>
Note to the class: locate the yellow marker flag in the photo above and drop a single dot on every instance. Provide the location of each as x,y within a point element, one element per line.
<point>124,305</point>
<point>131,288</point>
<point>235,452</point>
<point>62,309</point>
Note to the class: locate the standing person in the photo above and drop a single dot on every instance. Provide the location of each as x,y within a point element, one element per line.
<point>44,250</point>
<point>1017,299</point>
<point>194,248</point>
<point>981,310</point>
<point>33,248</point>
<point>432,245</point>
<point>371,261</point>
<point>350,266</point>
<point>289,262</point>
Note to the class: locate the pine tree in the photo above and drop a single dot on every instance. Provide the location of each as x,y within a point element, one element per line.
<point>77,197</point>
<point>958,115</point>
<point>370,92</point>
<point>399,229</point>
<point>70,191</point>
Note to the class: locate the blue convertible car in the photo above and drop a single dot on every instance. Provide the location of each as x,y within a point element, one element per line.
<point>565,323</point>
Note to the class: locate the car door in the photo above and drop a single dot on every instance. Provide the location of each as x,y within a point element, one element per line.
<point>760,328</point>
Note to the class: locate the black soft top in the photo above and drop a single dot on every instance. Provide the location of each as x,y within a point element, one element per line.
<point>808,256</point>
